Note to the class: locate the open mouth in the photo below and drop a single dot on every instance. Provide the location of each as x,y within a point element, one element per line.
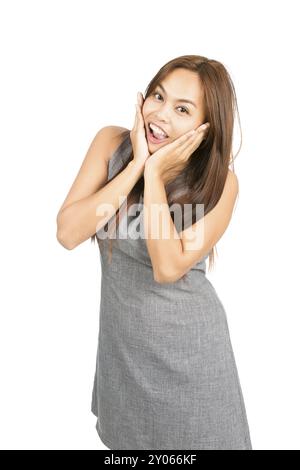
<point>155,138</point>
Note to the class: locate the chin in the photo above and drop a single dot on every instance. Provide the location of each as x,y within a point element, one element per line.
<point>150,151</point>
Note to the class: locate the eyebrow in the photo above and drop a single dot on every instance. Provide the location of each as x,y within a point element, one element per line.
<point>183,100</point>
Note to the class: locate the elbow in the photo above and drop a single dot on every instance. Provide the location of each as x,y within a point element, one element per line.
<point>165,277</point>
<point>64,241</point>
<point>62,236</point>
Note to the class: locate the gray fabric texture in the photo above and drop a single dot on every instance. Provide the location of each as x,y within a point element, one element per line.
<point>166,376</point>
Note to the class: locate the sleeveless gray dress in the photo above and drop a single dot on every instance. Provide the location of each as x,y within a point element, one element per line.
<point>166,376</point>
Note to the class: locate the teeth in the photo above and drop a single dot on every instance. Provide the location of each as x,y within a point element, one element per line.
<point>157,130</point>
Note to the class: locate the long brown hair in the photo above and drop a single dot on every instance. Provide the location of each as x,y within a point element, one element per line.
<point>203,179</point>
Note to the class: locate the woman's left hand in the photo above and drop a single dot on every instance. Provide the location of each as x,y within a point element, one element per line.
<point>170,160</point>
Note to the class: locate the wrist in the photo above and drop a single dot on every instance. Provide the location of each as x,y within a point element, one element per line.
<point>137,167</point>
<point>151,171</point>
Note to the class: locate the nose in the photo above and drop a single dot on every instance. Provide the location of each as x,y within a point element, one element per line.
<point>162,112</point>
<point>161,118</point>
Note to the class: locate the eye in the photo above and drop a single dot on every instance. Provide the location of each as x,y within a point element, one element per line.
<point>155,93</point>
<point>186,110</point>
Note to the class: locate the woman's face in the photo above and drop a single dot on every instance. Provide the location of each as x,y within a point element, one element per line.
<point>167,106</point>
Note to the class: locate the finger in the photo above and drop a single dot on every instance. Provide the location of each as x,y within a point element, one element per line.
<point>140,118</point>
<point>193,143</point>
<point>183,139</point>
<point>184,142</point>
<point>202,132</point>
<point>203,128</point>
<point>140,98</point>
<point>198,134</point>
<point>138,111</point>
<point>188,143</point>
<point>135,118</point>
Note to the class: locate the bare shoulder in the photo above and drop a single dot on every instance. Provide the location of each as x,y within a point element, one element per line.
<point>232,181</point>
<point>116,135</point>
<point>93,173</point>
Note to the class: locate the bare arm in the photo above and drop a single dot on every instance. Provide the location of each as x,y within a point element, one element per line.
<point>172,257</point>
<point>78,220</point>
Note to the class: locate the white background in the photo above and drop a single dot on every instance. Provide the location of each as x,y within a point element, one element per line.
<point>69,68</point>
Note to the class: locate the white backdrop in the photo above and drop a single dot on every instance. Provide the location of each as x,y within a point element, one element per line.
<point>69,68</point>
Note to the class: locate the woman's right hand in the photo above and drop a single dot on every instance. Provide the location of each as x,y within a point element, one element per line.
<point>138,135</point>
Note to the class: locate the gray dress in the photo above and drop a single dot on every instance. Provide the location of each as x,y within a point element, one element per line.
<point>166,376</point>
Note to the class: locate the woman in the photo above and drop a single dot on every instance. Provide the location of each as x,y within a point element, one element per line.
<point>166,376</point>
